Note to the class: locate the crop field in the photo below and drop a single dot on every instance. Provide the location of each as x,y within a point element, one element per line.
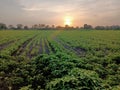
<point>59,60</point>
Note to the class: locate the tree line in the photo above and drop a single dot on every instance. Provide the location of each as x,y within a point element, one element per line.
<point>53,27</point>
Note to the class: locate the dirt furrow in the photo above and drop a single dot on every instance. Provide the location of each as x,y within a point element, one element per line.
<point>52,48</point>
<point>47,51</point>
<point>21,48</point>
<point>41,47</point>
<point>78,50</point>
<point>29,53</point>
<point>4,45</point>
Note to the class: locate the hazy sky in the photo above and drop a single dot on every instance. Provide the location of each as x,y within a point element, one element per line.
<point>28,12</point>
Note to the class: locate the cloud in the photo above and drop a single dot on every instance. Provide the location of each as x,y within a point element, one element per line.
<point>38,5</point>
<point>52,11</point>
<point>93,6</point>
<point>32,9</point>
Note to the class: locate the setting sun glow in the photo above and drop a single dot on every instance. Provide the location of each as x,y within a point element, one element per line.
<point>68,21</point>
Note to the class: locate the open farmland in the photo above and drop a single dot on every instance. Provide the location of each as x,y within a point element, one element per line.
<point>60,60</point>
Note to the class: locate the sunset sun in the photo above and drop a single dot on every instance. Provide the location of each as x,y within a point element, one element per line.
<point>68,21</point>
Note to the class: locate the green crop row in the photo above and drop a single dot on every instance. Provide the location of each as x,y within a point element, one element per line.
<point>60,60</point>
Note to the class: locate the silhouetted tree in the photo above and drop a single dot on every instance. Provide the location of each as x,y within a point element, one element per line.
<point>66,26</point>
<point>87,26</point>
<point>47,26</point>
<point>42,26</point>
<point>77,27</point>
<point>113,27</point>
<point>35,26</point>
<point>59,27</point>
<point>53,26</point>
<point>19,26</point>
<point>99,27</point>
<point>26,27</point>
<point>11,27</point>
<point>3,26</point>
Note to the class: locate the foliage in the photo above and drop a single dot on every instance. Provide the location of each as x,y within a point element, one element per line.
<point>59,60</point>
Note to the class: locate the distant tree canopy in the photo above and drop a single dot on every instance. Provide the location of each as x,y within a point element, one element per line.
<point>26,27</point>
<point>19,26</point>
<point>11,27</point>
<point>87,26</point>
<point>53,27</point>
<point>114,27</point>
<point>3,26</point>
